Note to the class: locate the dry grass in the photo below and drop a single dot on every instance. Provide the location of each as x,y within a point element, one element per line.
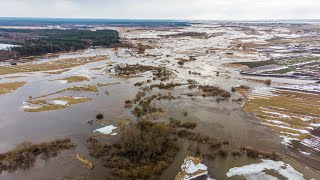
<point>84,161</point>
<point>188,125</point>
<point>124,76</point>
<point>49,66</point>
<point>267,82</point>
<point>47,105</point>
<point>9,87</point>
<point>84,88</point>
<point>97,68</point>
<point>236,66</point>
<point>289,109</point>
<point>73,79</point>
<point>243,90</point>
<point>107,84</point>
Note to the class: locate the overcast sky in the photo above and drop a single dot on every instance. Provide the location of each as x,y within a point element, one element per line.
<point>163,9</point>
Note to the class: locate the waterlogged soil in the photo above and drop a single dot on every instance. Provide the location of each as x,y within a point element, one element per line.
<point>207,59</point>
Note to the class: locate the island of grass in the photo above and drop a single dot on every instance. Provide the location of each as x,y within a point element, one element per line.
<point>73,79</point>
<point>34,42</point>
<point>10,86</point>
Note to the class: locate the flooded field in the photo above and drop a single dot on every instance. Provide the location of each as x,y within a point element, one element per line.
<point>230,97</point>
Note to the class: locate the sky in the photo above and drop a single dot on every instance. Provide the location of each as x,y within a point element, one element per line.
<point>163,9</point>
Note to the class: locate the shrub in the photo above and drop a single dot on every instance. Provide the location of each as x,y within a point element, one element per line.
<point>236,153</point>
<point>214,91</point>
<point>188,125</point>
<point>223,153</point>
<point>25,154</point>
<point>252,153</point>
<point>192,86</point>
<point>268,82</point>
<point>142,152</point>
<point>226,143</point>
<point>174,122</point>
<point>211,155</point>
<point>99,116</point>
<point>225,94</point>
<point>181,63</point>
<point>128,104</point>
<point>216,145</point>
<point>185,113</point>
<point>138,84</point>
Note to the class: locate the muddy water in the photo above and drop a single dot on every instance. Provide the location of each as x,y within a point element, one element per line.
<point>223,120</point>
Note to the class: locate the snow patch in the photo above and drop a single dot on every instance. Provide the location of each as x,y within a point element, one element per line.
<point>107,130</point>
<point>192,168</point>
<point>305,153</point>
<point>277,122</point>
<point>60,102</point>
<point>28,106</point>
<point>284,116</point>
<point>256,171</point>
<point>63,81</point>
<point>313,142</point>
<point>287,140</point>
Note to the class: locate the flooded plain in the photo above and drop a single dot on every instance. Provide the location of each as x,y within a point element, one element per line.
<point>60,96</point>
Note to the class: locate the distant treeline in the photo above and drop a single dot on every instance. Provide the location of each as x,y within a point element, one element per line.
<point>38,42</point>
<point>73,23</point>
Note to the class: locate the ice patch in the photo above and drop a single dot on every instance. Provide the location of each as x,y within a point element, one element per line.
<point>28,106</point>
<point>315,124</point>
<point>302,131</point>
<point>265,91</point>
<point>192,168</point>
<point>59,102</point>
<point>256,171</point>
<point>284,116</point>
<point>63,81</point>
<point>107,130</point>
<point>305,87</point>
<point>78,97</point>
<point>287,140</point>
<point>6,46</point>
<point>313,142</point>
<point>277,122</point>
<point>292,134</point>
<point>305,153</point>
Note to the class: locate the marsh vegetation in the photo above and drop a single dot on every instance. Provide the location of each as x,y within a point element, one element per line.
<point>25,154</point>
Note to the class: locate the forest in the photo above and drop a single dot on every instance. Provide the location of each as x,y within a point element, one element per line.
<point>38,42</point>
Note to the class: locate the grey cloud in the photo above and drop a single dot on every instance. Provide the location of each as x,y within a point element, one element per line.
<point>164,9</point>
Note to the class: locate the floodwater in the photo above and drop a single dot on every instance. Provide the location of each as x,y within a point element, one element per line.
<point>223,120</point>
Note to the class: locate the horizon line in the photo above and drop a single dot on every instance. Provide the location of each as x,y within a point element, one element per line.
<point>157,19</point>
